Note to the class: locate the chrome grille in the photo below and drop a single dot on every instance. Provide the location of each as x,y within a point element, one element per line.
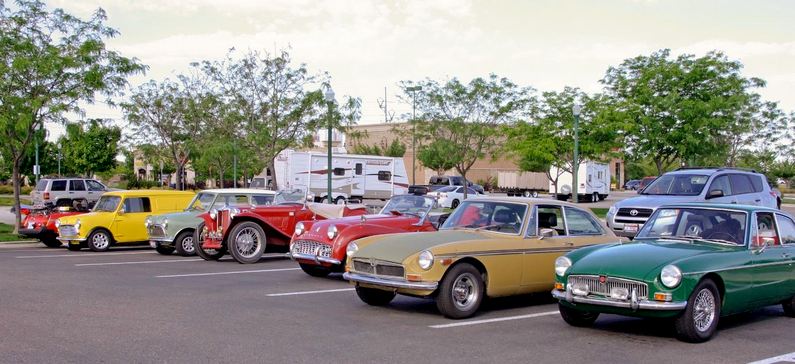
<point>312,248</point>
<point>363,267</point>
<point>156,231</point>
<point>641,213</point>
<point>378,268</point>
<point>67,230</point>
<point>603,289</point>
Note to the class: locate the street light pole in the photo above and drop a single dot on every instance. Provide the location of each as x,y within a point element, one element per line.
<point>329,96</point>
<point>413,91</point>
<point>59,158</point>
<point>576,162</point>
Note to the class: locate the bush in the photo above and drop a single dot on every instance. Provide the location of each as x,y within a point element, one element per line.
<point>9,190</point>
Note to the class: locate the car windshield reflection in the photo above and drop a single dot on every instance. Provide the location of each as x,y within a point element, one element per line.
<point>291,195</point>
<point>107,203</point>
<point>504,217</point>
<point>712,225</point>
<point>201,202</point>
<point>409,205</point>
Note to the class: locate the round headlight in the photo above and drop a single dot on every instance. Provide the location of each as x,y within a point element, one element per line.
<point>425,259</point>
<point>299,228</point>
<point>213,214</point>
<point>332,232</point>
<point>58,223</point>
<point>351,249</point>
<point>562,264</point>
<point>671,276</point>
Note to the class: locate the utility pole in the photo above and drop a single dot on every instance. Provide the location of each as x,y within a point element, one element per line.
<point>329,96</point>
<point>413,90</point>
<point>384,105</point>
<point>575,168</point>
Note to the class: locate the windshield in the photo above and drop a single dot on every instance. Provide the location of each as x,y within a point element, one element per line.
<point>409,205</point>
<point>107,203</point>
<point>291,195</point>
<point>719,226</point>
<point>504,217</point>
<point>201,202</point>
<point>677,184</point>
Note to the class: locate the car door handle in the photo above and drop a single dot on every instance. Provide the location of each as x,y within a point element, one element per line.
<point>758,200</point>
<point>785,255</point>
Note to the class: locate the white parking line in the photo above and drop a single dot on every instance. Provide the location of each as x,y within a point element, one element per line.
<point>486,321</point>
<point>786,358</point>
<point>141,262</point>
<point>309,292</point>
<point>223,273</point>
<point>81,255</point>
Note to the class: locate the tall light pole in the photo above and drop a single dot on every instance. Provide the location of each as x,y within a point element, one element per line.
<point>330,101</point>
<point>59,158</point>
<point>576,162</point>
<point>413,90</point>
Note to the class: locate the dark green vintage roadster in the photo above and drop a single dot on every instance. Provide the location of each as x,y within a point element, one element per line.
<point>692,263</point>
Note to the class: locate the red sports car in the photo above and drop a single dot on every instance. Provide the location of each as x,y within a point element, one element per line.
<point>320,246</point>
<point>40,223</point>
<point>245,232</point>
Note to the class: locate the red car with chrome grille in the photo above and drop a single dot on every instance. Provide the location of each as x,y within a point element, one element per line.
<point>246,232</point>
<point>320,247</point>
<point>39,223</point>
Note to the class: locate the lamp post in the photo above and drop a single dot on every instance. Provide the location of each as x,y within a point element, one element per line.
<point>413,90</point>
<point>329,96</point>
<point>59,158</point>
<point>576,162</point>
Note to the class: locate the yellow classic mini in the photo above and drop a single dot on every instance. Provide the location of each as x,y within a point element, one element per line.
<point>487,247</point>
<point>118,218</point>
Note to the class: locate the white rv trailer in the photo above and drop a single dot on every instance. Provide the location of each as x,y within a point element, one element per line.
<point>353,176</point>
<point>593,179</point>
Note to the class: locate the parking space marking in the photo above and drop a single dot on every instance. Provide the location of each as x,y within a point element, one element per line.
<point>786,358</point>
<point>140,262</point>
<point>309,292</point>
<point>499,319</point>
<point>223,273</point>
<point>81,255</point>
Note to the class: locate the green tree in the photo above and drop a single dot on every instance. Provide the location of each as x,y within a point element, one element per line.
<point>51,61</point>
<point>438,155</point>
<point>90,148</point>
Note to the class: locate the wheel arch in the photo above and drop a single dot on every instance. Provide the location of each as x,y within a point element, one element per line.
<point>718,280</point>
<point>190,230</point>
<point>110,233</point>
<point>484,274</point>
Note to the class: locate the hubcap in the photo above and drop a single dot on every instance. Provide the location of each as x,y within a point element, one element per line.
<point>187,244</point>
<point>100,241</point>
<point>465,291</point>
<point>704,310</point>
<point>247,242</point>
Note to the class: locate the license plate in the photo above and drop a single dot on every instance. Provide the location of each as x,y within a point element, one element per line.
<point>153,244</point>
<point>632,228</point>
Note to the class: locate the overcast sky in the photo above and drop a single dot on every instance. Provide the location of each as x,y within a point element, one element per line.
<point>368,45</point>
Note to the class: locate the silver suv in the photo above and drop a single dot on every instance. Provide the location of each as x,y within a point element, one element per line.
<point>713,185</point>
<point>53,191</point>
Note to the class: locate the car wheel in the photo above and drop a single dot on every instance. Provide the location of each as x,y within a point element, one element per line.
<point>700,319</point>
<point>315,270</point>
<point>246,242</point>
<point>165,250</point>
<point>575,317</point>
<point>74,248</point>
<point>789,307</point>
<point>461,292</point>
<point>184,244</point>
<point>339,200</point>
<point>206,254</point>
<point>51,242</point>
<point>99,240</point>
<point>595,197</point>
<point>454,204</point>
<point>527,194</point>
<point>534,194</point>
<point>374,297</point>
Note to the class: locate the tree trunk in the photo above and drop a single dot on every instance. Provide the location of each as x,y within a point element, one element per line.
<point>15,177</point>
<point>659,163</point>
<point>466,184</point>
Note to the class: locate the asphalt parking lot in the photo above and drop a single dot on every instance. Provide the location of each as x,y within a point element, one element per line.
<point>134,305</point>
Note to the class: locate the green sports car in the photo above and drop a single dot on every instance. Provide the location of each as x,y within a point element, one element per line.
<point>692,263</point>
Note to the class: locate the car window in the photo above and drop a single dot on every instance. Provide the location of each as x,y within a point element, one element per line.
<point>721,183</point>
<point>77,185</point>
<point>94,185</point>
<point>260,200</point>
<point>787,229</point>
<point>765,230</point>
<point>238,200</point>
<point>42,185</point>
<point>550,217</point>
<point>137,204</point>
<point>58,185</point>
<point>741,184</point>
<point>677,184</point>
<point>459,190</point>
<point>447,189</point>
<point>384,175</point>
<point>758,182</point>
<point>581,223</point>
<point>471,191</point>
<point>504,217</point>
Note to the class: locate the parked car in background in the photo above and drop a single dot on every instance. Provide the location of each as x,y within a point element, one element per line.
<point>174,231</point>
<point>118,218</point>
<point>692,263</point>
<point>714,185</point>
<point>437,182</point>
<point>452,196</point>
<point>245,232</point>
<point>645,181</point>
<point>632,185</point>
<point>320,247</point>
<point>487,247</point>
<point>39,223</point>
<point>49,191</point>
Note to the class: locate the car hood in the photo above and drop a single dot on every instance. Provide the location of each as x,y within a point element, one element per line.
<point>90,217</point>
<point>177,216</point>
<point>397,247</point>
<point>639,260</point>
<point>654,201</point>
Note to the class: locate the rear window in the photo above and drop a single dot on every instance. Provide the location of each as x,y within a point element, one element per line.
<point>757,182</point>
<point>58,185</point>
<point>42,185</point>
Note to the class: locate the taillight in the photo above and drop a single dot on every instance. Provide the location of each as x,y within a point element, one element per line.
<point>46,195</point>
<point>774,194</point>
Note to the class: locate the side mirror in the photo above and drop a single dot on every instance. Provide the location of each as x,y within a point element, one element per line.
<point>546,233</point>
<point>121,211</point>
<point>714,194</point>
<point>766,242</point>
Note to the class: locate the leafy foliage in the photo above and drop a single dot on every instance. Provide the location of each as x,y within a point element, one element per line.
<point>90,148</point>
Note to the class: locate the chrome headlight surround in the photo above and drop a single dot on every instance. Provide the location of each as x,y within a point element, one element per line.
<point>351,249</point>
<point>331,233</point>
<point>77,225</point>
<point>165,223</point>
<point>562,264</point>
<point>671,276</point>
<point>213,214</point>
<point>425,259</point>
<point>233,211</point>
<point>299,229</point>
<point>612,210</point>
<point>148,222</point>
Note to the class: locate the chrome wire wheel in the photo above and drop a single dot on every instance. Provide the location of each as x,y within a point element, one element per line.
<point>704,310</point>
<point>465,291</point>
<point>247,242</point>
<point>100,241</point>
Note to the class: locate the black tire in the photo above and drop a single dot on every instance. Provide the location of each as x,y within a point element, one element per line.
<point>374,297</point>
<point>461,292</point>
<point>74,248</point>
<point>708,298</point>
<point>243,250</point>
<point>183,244</point>
<point>778,203</point>
<point>339,200</point>
<point>315,270</point>
<point>99,240</point>
<point>527,193</point>
<point>51,242</point>
<point>454,204</point>
<point>575,317</point>
<point>789,307</point>
<point>206,254</point>
<point>165,250</point>
<point>534,194</point>
<point>595,197</point>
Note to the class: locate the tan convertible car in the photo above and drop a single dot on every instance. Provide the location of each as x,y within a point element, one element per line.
<point>487,247</point>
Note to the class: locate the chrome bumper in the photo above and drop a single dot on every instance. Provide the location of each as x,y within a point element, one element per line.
<point>634,305</point>
<point>394,283</point>
<point>314,258</point>
<point>68,239</point>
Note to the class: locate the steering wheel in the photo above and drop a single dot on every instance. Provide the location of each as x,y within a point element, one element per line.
<point>718,234</point>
